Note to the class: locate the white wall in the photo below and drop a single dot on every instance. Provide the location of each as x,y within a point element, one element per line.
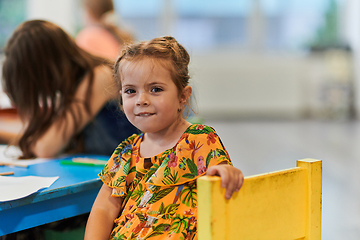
<point>61,12</point>
<point>245,85</point>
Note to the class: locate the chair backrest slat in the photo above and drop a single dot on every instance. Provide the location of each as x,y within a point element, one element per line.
<point>279,205</point>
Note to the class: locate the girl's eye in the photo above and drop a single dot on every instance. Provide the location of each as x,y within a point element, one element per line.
<point>129,91</point>
<point>156,89</point>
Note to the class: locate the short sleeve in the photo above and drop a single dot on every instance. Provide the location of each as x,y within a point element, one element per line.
<point>218,153</point>
<point>119,168</point>
<point>207,149</point>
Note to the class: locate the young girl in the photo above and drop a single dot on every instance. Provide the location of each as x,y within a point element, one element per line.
<point>64,95</point>
<point>150,180</point>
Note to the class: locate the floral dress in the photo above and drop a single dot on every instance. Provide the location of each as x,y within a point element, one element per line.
<point>160,196</point>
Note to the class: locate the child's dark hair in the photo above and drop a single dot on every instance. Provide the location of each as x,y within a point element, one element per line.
<point>173,55</point>
<point>98,9</point>
<point>42,70</point>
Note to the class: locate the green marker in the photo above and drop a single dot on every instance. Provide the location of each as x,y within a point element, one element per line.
<point>84,162</point>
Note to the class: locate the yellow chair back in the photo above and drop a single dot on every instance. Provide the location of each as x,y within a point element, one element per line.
<point>273,206</point>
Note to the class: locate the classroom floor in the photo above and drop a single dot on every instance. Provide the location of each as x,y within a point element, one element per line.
<point>263,146</point>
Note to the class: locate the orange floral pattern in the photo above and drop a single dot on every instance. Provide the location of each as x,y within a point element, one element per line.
<point>160,202</point>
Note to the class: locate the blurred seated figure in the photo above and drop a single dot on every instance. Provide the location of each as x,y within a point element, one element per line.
<point>64,96</point>
<point>101,36</point>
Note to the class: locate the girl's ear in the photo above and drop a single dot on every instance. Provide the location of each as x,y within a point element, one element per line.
<point>185,95</point>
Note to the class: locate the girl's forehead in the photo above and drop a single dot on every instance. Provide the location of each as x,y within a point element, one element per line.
<point>129,66</point>
<point>143,67</point>
<point>143,63</point>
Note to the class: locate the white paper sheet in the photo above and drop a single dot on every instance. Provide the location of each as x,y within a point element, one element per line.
<point>12,188</point>
<point>10,155</point>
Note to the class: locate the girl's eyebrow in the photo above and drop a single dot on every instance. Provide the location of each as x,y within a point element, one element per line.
<point>149,84</point>
<point>156,83</point>
<point>127,85</point>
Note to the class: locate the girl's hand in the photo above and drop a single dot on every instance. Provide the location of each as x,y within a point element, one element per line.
<point>231,178</point>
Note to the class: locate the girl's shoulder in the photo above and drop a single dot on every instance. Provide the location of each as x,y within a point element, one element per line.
<point>200,138</point>
<point>198,148</point>
<point>115,172</point>
<point>199,129</point>
<point>127,144</point>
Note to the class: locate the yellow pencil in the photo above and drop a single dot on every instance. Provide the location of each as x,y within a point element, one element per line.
<point>7,173</point>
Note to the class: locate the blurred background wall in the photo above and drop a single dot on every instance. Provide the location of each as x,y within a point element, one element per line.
<point>251,59</point>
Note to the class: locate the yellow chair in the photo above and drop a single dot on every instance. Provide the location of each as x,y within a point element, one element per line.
<point>279,205</point>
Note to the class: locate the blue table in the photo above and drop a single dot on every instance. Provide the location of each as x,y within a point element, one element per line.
<point>71,195</point>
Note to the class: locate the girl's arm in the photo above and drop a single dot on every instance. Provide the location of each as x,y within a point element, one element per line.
<point>231,178</point>
<point>59,134</point>
<point>103,213</point>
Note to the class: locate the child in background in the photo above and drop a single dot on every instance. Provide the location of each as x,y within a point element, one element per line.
<point>150,180</point>
<point>64,95</point>
<point>101,36</point>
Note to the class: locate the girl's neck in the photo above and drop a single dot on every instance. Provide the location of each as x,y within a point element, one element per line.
<point>155,143</point>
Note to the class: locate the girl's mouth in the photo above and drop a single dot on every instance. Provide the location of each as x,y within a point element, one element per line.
<point>144,114</point>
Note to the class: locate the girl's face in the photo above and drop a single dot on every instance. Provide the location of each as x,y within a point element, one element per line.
<point>150,97</point>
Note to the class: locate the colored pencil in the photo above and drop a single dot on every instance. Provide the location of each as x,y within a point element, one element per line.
<point>13,164</point>
<point>7,173</point>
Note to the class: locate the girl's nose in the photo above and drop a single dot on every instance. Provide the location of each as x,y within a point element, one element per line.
<point>142,100</point>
